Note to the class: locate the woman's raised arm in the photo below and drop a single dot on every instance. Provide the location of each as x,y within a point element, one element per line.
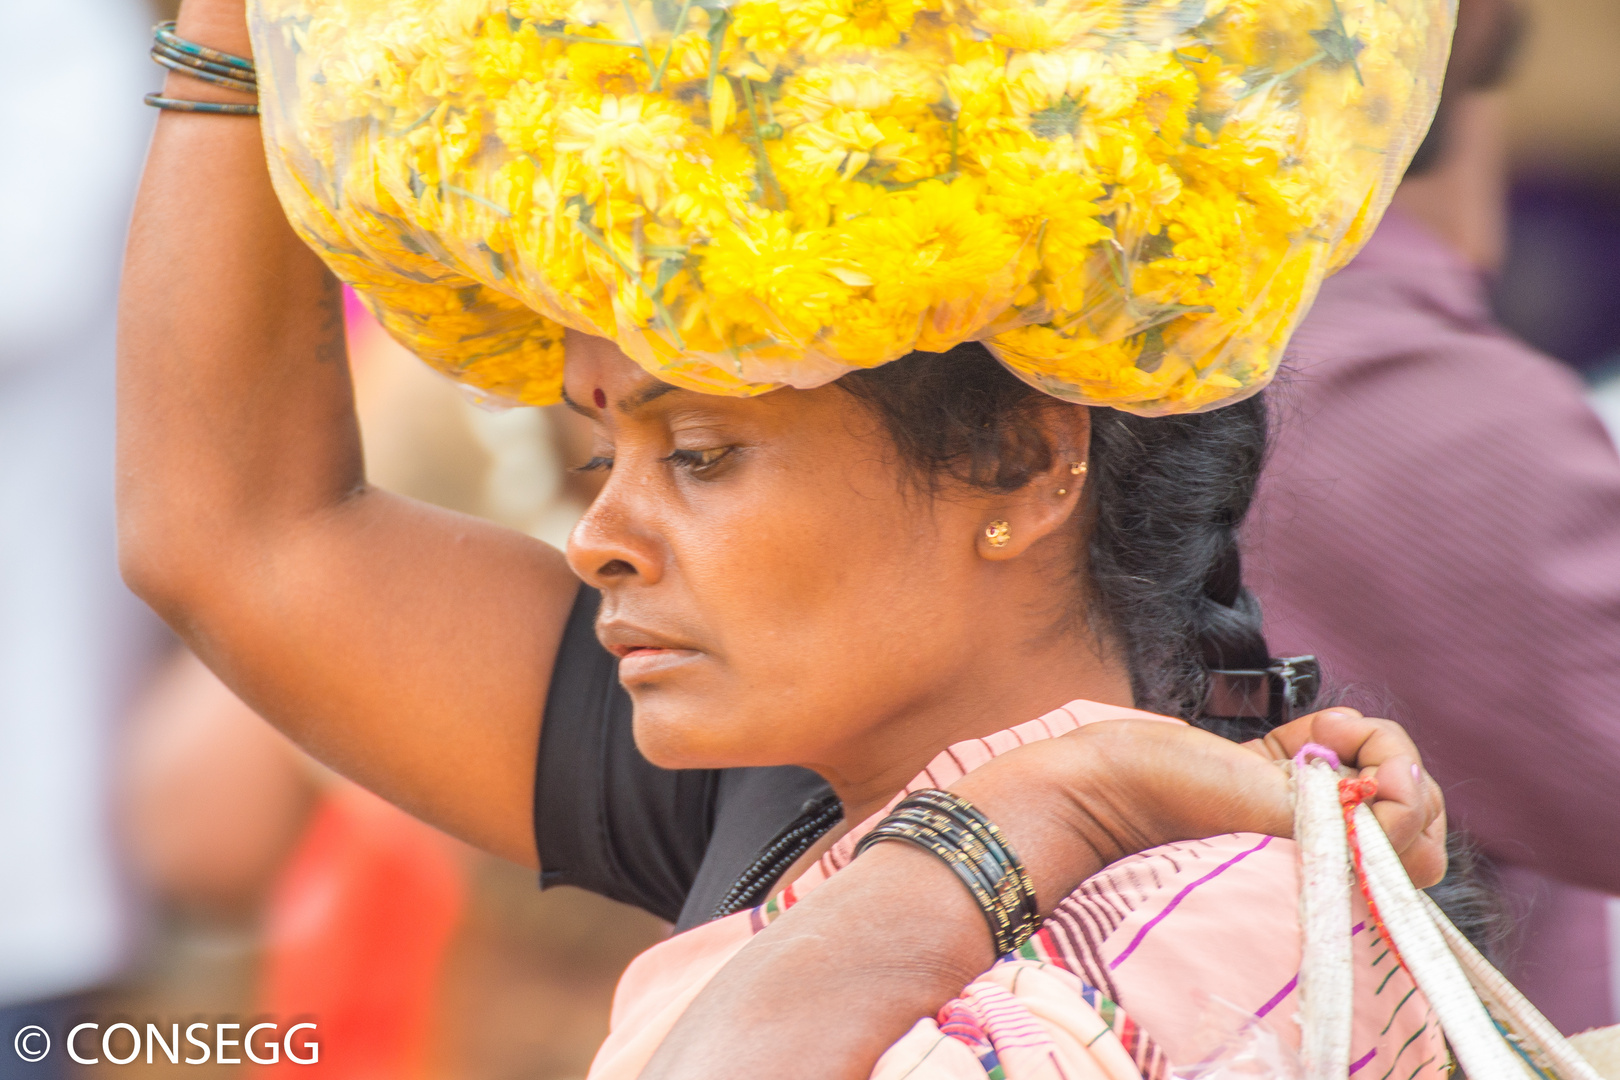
<point>407,647</point>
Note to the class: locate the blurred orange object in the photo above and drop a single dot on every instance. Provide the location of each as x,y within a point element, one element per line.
<point>359,922</point>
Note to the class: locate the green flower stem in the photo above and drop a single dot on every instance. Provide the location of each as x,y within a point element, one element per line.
<point>717,37</point>
<point>465,194</point>
<point>658,306</point>
<point>773,190</point>
<point>635,29</point>
<point>1267,84</point>
<point>663,65</point>
<point>585,39</point>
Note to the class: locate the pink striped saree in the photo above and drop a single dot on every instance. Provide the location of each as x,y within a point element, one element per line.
<point>1170,961</point>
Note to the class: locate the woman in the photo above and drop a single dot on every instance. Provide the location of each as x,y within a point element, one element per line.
<point>851,579</point>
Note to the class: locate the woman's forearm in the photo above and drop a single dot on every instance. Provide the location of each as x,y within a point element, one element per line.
<point>838,979</point>
<point>234,399</point>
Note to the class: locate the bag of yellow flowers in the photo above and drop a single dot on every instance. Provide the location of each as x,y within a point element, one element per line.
<point>1131,202</point>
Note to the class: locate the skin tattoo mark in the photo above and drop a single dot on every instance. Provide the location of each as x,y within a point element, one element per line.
<point>332,346</point>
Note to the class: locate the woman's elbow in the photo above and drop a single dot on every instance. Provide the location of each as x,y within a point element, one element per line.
<point>154,562</point>
<point>149,571</point>
<point>171,563</point>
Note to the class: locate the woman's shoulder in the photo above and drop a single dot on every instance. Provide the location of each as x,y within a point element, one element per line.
<point>961,758</point>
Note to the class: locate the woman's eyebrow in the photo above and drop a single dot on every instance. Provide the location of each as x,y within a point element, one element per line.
<point>646,395</point>
<point>577,407</point>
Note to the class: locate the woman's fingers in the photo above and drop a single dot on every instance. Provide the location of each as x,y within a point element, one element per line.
<point>1360,741</point>
<point>1410,808</point>
<point>1408,805</point>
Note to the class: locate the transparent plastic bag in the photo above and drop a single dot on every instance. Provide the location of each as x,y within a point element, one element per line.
<point>1131,202</point>
<point>1237,1045</point>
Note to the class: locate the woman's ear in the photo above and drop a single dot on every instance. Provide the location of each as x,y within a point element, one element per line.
<point>1018,520</point>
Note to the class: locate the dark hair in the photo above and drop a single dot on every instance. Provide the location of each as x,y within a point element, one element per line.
<point>1163,575</point>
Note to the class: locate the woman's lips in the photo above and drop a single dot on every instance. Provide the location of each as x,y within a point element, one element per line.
<point>643,652</point>
<point>642,661</point>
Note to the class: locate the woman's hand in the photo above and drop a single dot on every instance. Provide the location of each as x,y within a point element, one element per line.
<point>1076,804</point>
<point>1408,805</point>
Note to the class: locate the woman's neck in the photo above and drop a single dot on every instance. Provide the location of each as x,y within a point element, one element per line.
<point>999,689</point>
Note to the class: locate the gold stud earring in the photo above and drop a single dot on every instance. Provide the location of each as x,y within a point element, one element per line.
<point>1078,468</point>
<point>1063,491</point>
<point>998,533</point>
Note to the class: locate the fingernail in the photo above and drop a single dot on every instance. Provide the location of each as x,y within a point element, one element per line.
<point>1417,776</point>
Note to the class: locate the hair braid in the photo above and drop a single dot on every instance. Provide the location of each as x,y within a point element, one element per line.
<point>1169,494</point>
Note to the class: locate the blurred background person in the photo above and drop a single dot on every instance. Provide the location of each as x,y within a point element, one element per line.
<point>1440,479</point>
<point>73,641</point>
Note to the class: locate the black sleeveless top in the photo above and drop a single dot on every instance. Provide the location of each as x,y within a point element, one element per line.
<point>687,845</point>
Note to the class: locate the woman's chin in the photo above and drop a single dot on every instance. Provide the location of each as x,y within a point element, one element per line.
<point>676,730</point>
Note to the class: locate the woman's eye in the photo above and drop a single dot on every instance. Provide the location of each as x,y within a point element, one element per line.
<point>699,461</point>
<point>596,464</point>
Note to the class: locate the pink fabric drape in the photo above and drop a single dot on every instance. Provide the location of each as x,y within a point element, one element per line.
<point>1173,955</point>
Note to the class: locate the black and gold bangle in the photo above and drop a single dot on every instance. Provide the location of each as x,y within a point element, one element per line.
<point>954,831</point>
<point>997,860</point>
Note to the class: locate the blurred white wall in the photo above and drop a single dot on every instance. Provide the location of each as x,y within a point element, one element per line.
<point>72,639</point>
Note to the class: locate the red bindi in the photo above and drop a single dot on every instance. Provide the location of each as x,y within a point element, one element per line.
<point>599,397</point>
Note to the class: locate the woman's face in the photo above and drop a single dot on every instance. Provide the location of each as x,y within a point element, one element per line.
<point>774,588</point>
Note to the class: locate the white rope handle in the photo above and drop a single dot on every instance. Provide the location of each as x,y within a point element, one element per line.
<point>1546,1046</point>
<point>1480,1048</point>
<point>1327,973</point>
<point>1452,974</point>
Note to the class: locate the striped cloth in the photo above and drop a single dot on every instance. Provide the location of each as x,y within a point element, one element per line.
<point>1185,953</point>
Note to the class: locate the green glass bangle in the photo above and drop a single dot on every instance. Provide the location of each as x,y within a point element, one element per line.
<point>164,33</point>
<point>194,64</point>
<point>206,76</point>
<point>217,108</point>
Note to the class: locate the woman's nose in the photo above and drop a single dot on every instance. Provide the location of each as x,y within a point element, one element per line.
<point>610,546</point>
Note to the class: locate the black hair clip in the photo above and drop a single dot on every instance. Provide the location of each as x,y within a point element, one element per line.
<point>1276,693</point>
